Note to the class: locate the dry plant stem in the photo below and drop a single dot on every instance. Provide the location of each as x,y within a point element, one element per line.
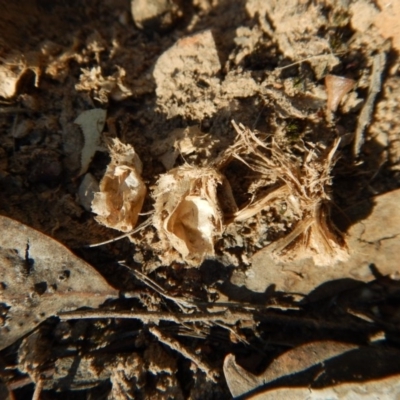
<point>229,317</point>
<point>366,113</point>
<point>226,317</point>
<point>140,227</point>
<point>175,345</point>
<point>183,304</point>
<point>27,380</point>
<point>254,208</point>
<point>38,389</point>
<point>309,58</point>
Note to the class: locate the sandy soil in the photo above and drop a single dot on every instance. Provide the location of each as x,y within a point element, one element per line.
<point>168,78</point>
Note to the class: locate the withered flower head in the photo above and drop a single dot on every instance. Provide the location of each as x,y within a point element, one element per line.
<point>122,190</point>
<point>187,215</point>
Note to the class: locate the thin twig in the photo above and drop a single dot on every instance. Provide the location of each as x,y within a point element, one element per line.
<point>140,227</point>
<point>365,116</point>
<point>309,58</point>
<point>27,380</point>
<point>175,345</point>
<point>229,317</point>
<point>38,389</point>
<point>157,288</point>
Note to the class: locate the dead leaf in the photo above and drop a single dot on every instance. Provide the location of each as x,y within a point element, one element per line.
<point>92,124</point>
<point>388,388</point>
<point>337,87</point>
<point>39,277</point>
<point>315,370</point>
<point>300,358</point>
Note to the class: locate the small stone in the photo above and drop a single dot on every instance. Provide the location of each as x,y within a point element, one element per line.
<point>155,14</point>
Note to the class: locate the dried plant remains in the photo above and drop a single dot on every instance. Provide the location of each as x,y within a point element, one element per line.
<point>301,186</point>
<point>336,87</point>
<point>122,190</point>
<point>188,216</point>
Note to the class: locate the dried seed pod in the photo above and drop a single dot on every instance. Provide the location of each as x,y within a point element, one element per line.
<point>122,190</point>
<point>337,87</point>
<point>187,214</point>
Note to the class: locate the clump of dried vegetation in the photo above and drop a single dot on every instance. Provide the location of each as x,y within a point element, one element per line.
<point>301,184</point>
<point>193,205</point>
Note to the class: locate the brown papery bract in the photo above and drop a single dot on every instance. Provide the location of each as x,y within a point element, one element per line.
<point>337,87</point>
<point>122,191</point>
<point>188,216</point>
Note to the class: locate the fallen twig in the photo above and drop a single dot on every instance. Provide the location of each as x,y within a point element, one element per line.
<point>365,116</point>
<point>229,317</point>
<point>140,227</point>
<point>309,58</point>
<point>182,303</point>
<point>38,389</point>
<point>175,345</point>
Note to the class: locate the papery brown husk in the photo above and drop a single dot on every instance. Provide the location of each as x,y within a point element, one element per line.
<point>122,190</point>
<point>188,216</point>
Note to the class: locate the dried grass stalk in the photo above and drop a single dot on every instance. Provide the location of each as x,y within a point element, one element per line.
<point>304,185</point>
<point>122,191</point>
<point>188,216</point>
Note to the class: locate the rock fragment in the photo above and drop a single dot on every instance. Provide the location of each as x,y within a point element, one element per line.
<point>155,14</point>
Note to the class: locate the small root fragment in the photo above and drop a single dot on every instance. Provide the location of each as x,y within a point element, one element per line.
<point>175,345</point>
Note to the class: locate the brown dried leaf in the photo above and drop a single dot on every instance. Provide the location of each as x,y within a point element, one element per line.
<point>122,191</point>
<point>300,358</point>
<point>187,215</point>
<point>337,87</point>
<point>39,278</point>
<point>315,370</point>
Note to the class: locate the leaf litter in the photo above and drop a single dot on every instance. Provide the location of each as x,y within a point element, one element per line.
<point>232,228</point>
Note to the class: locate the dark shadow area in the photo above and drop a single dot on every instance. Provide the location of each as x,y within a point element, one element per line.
<point>331,372</point>
<point>331,289</point>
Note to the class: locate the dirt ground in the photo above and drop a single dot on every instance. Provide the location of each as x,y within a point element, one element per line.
<point>278,122</point>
